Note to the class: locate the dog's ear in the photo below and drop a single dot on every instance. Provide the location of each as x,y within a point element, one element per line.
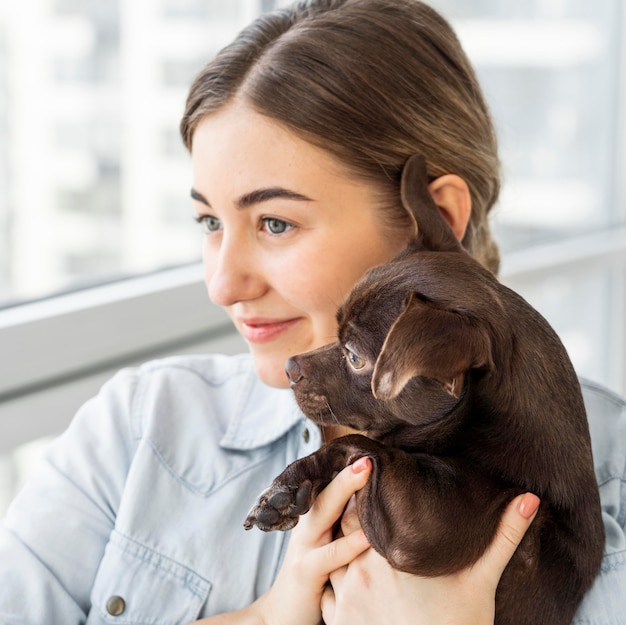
<point>431,341</point>
<point>432,231</point>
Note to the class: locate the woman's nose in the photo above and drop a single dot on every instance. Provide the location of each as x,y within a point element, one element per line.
<point>231,274</point>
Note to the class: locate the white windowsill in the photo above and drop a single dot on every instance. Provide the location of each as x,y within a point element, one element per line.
<point>57,352</point>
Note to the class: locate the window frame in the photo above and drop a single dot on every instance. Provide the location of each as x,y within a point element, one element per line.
<point>59,350</point>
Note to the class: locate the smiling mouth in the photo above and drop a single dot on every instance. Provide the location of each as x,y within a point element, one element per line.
<point>265,331</point>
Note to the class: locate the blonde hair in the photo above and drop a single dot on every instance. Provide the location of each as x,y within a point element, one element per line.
<point>373,82</point>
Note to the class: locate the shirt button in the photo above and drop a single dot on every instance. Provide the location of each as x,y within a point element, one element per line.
<point>116,605</point>
<point>306,435</point>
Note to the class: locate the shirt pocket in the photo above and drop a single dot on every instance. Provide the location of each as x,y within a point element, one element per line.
<point>136,585</point>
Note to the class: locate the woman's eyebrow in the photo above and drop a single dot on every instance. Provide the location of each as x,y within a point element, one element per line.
<point>199,197</point>
<point>271,193</point>
<point>257,196</point>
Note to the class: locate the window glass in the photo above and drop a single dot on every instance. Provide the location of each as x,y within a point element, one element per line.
<point>553,75</point>
<point>550,71</point>
<point>94,179</point>
<point>575,303</point>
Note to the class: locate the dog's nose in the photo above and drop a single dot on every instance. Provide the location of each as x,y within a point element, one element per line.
<point>292,368</point>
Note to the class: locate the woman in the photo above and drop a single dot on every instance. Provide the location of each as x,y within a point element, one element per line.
<point>298,133</point>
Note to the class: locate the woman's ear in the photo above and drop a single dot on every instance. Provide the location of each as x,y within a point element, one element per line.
<point>452,197</point>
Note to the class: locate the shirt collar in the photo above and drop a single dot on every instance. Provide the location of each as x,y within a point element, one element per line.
<point>262,415</point>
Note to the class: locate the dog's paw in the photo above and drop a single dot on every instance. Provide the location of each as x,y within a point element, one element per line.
<point>279,507</point>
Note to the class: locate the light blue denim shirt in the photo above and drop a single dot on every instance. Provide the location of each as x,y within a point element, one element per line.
<point>136,517</point>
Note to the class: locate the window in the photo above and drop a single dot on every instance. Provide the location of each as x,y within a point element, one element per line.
<point>94,180</point>
<point>553,74</point>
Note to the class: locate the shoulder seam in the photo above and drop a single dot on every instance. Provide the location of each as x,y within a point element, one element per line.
<point>605,392</point>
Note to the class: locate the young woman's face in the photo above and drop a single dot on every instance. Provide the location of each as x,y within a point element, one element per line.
<point>286,233</point>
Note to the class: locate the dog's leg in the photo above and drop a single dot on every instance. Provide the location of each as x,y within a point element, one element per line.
<point>430,515</point>
<point>293,492</point>
<point>425,514</point>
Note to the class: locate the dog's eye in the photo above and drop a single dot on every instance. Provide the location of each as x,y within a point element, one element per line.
<point>356,362</point>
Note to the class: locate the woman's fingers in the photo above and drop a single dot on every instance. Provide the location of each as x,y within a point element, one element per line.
<point>313,555</point>
<point>516,519</point>
<point>331,502</point>
<point>313,544</point>
<point>350,518</point>
<point>328,602</point>
<point>340,552</point>
<point>467,596</point>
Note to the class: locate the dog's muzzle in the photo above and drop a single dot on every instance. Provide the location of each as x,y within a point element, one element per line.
<point>292,368</point>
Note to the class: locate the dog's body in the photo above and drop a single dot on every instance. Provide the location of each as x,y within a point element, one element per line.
<point>469,399</point>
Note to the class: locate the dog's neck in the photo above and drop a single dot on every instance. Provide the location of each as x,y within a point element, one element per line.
<point>330,432</point>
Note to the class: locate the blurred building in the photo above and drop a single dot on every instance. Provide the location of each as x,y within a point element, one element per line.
<point>93,177</point>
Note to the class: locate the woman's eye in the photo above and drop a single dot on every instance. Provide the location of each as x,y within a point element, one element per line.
<point>356,362</point>
<point>276,226</point>
<point>209,223</point>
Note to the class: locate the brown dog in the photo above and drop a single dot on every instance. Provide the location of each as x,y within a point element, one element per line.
<point>468,399</point>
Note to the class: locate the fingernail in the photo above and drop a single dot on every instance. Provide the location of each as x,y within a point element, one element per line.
<point>529,504</point>
<point>362,464</point>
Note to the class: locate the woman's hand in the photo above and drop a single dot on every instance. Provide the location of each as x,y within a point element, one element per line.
<point>369,591</point>
<point>295,597</point>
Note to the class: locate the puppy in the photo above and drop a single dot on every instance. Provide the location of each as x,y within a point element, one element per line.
<point>468,398</point>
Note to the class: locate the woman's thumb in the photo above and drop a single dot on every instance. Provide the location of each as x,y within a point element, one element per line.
<point>516,519</point>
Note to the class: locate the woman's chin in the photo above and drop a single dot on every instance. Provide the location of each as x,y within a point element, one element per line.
<point>271,372</point>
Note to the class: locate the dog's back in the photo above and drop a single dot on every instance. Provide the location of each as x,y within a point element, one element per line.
<point>520,417</point>
<point>522,414</point>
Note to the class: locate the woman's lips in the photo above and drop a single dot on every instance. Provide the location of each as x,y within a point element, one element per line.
<point>262,331</point>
